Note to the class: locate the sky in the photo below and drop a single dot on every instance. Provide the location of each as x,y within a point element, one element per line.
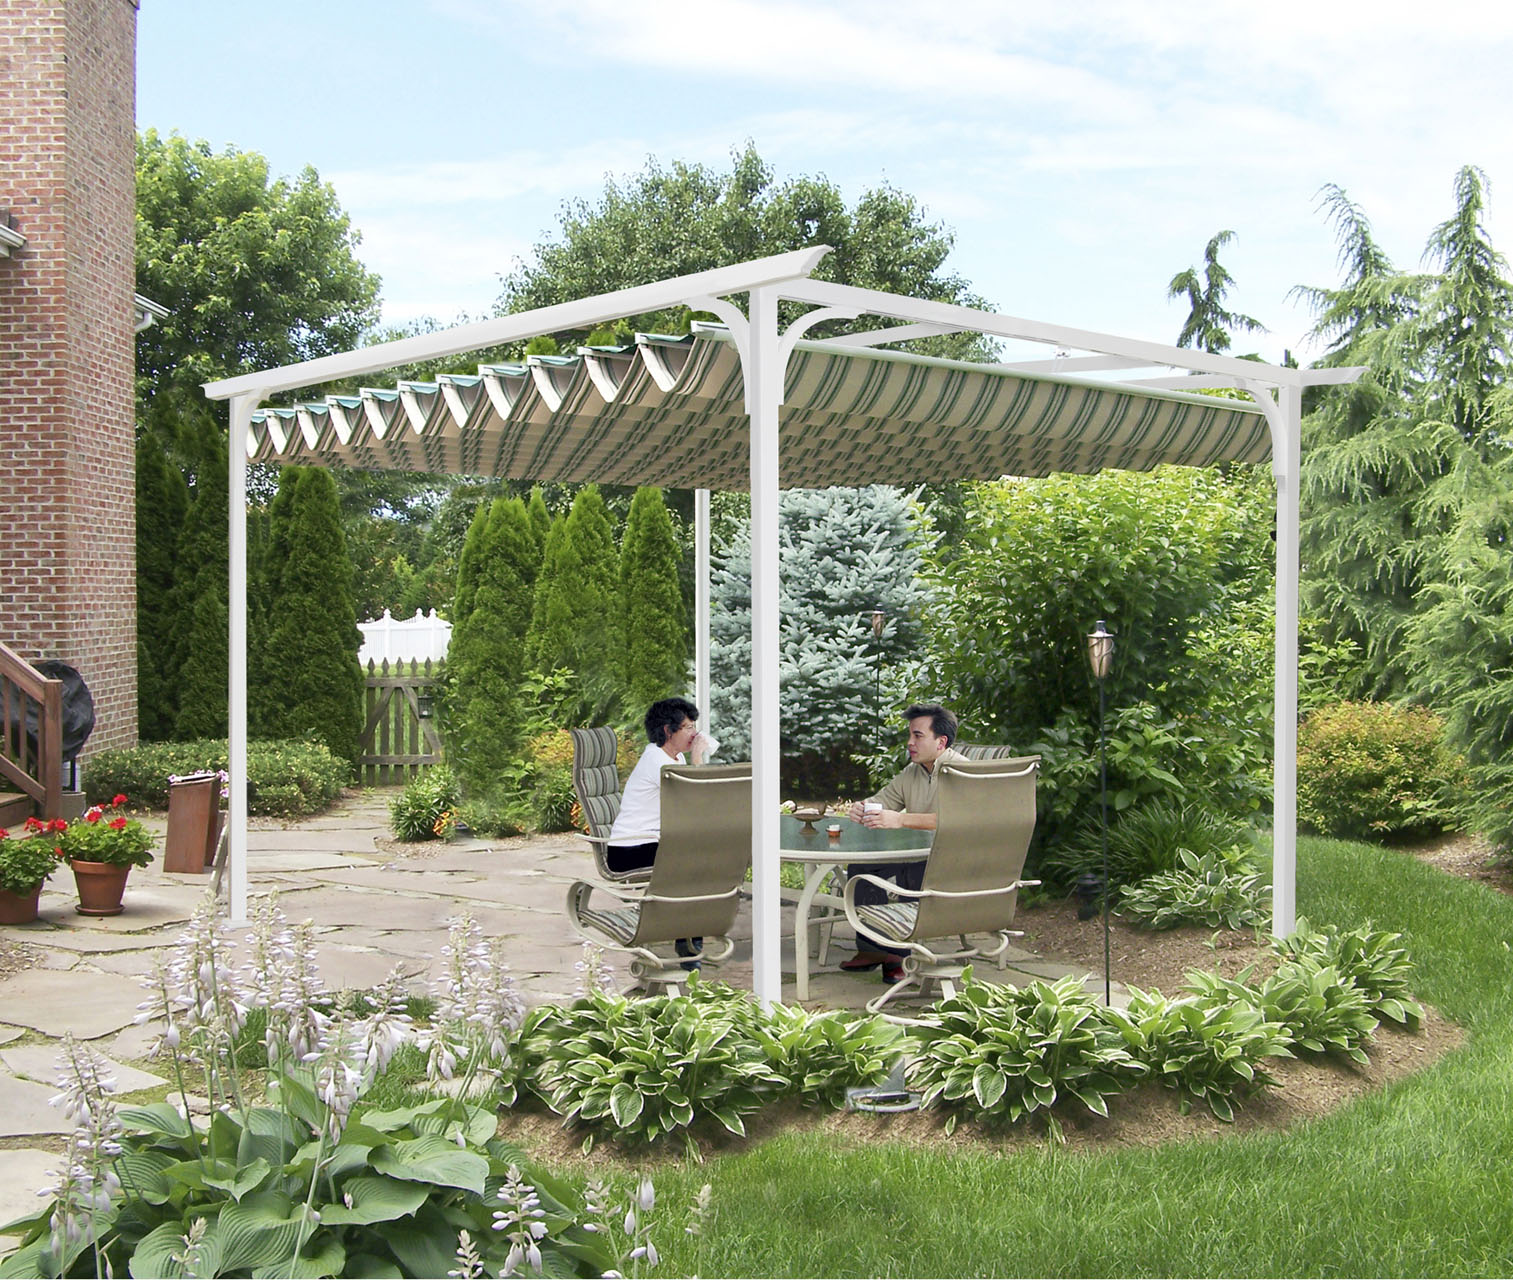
<point>1082,154</point>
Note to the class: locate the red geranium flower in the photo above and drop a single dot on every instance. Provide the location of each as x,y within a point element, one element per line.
<point>119,800</point>
<point>57,824</point>
<point>4,834</point>
<point>93,815</point>
<point>33,824</point>
<point>116,824</point>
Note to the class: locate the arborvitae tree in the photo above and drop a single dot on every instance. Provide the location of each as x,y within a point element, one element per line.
<point>468,563</point>
<point>200,603</point>
<point>314,637</point>
<point>162,504</point>
<point>541,525</point>
<point>654,650</point>
<point>265,664</point>
<point>573,622</point>
<point>485,661</point>
<point>845,552</point>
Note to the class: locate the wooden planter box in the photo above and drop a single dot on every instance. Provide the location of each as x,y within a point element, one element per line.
<point>194,824</point>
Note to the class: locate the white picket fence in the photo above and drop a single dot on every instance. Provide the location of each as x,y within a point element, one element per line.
<point>390,639</point>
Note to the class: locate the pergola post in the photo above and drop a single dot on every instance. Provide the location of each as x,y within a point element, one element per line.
<point>764,394</point>
<point>236,719</point>
<point>1287,448</point>
<point>701,604</point>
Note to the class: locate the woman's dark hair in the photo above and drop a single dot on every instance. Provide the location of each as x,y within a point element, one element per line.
<point>942,722</point>
<point>664,717</point>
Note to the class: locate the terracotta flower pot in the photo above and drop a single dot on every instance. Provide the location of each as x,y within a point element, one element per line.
<point>19,908</point>
<point>100,885</point>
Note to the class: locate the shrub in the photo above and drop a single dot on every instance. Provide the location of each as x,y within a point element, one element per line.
<point>1369,769</point>
<point>549,795</point>
<point>1209,1048</point>
<point>1145,841</point>
<point>422,809</point>
<point>1375,961</point>
<point>284,778</point>
<point>1003,1053</point>
<point>1214,890</point>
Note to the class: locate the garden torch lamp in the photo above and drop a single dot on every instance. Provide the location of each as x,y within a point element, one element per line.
<point>1100,657</point>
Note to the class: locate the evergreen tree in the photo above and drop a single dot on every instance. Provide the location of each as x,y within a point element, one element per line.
<point>200,613</point>
<point>654,651</point>
<point>573,621</point>
<point>541,525</point>
<point>314,635</point>
<point>265,664</point>
<point>845,552</point>
<point>162,504</point>
<point>1209,324</point>
<point>485,662</point>
<point>1382,458</point>
<point>468,563</point>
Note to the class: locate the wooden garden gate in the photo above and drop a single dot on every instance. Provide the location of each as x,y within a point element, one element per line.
<point>399,733</point>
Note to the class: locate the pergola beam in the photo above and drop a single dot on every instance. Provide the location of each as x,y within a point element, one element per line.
<point>743,277</point>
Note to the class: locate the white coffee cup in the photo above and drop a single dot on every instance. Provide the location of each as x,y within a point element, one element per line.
<point>872,806</point>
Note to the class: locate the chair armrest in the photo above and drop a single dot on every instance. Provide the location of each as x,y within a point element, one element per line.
<point>932,893</point>
<point>674,899</point>
<point>641,837</point>
<point>585,887</point>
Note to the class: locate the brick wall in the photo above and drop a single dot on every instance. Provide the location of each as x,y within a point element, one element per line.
<point>67,518</point>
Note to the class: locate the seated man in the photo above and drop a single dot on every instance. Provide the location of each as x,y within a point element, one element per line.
<point>909,800</point>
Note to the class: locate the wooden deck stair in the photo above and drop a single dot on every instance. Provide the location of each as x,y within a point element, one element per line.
<point>15,808</point>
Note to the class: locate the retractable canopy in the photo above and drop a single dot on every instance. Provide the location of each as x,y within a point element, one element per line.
<point>671,412</point>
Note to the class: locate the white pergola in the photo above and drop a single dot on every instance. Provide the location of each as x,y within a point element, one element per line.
<point>1027,417</point>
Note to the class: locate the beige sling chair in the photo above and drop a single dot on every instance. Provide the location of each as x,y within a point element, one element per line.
<point>971,883</point>
<point>695,883</point>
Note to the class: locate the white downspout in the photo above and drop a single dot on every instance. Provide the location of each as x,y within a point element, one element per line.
<point>236,720</point>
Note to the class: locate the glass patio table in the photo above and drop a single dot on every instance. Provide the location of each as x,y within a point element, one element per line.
<point>822,854</point>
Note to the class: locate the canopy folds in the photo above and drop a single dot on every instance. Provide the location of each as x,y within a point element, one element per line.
<point>671,412</point>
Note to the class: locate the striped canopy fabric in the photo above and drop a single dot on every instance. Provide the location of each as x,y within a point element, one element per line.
<point>671,412</point>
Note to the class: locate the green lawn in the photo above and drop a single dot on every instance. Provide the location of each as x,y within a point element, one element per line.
<point>1416,1180</point>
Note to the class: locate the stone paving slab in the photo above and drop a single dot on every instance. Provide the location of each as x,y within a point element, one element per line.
<point>52,1002</point>
<point>26,1169</point>
<point>25,1112</point>
<point>39,1062</point>
<point>354,841</point>
<point>85,939</point>
<point>348,969</point>
<point>260,863</point>
<point>7,1034</point>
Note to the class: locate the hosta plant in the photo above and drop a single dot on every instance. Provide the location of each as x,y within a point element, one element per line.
<point>309,1179</point>
<point>821,1055</point>
<point>1211,1049</point>
<point>643,1069</point>
<point>1321,1010</point>
<point>1215,890</point>
<point>1004,1053</point>
<point>1375,961</point>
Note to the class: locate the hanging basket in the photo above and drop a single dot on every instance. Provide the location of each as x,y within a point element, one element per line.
<point>19,908</point>
<point>101,886</point>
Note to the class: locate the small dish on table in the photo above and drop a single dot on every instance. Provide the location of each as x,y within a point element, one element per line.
<point>809,814</point>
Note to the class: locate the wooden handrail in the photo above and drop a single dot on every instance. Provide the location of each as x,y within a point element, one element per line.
<point>39,772</point>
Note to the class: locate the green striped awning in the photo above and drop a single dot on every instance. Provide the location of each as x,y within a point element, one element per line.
<point>670,412</point>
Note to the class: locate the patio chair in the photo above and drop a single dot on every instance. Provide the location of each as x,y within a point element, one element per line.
<point>972,878</point>
<point>695,882</point>
<point>597,783</point>
<point>977,751</point>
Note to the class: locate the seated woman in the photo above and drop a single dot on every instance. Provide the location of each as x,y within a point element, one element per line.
<point>672,727</point>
